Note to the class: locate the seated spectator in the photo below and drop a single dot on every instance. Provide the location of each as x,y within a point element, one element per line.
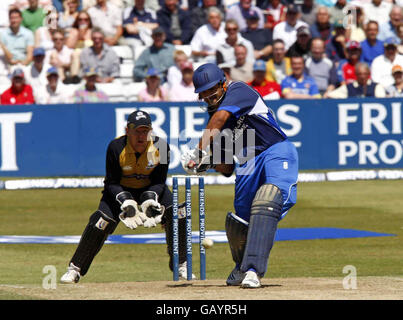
<point>184,90</point>
<point>80,34</point>
<point>90,93</point>
<point>5,6</point>
<point>276,12</point>
<point>308,11</point>
<point>54,92</point>
<point>320,68</point>
<point>176,23</point>
<point>389,28</point>
<point>381,68</point>
<point>278,67</point>
<point>346,67</point>
<point>158,56</point>
<point>33,16</point>
<point>35,74</point>
<point>261,39</point>
<point>101,57</point>
<point>69,15</point>
<point>377,10</point>
<point>336,12</point>
<point>17,41</point>
<point>356,27</point>
<point>336,48</point>
<point>199,14</point>
<point>322,28</point>
<point>206,39</point>
<point>238,11</point>
<point>267,89</point>
<point>225,51</point>
<point>302,45</point>
<point>174,75</point>
<point>362,87</point>
<point>371,46</point>
<point>43,38</point>
<point>19,92</point>
<point>299,85</point>
<point>138,24</point>
<point>154,91</point>
<point>287,30</point>
<point>60,56</point>
<point>243,69</point>
<point>108,18</point>
<point>396,89</point>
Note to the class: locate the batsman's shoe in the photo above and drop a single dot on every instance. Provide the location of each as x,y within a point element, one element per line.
<point>72,275</point>
<point>235,278</point>
<point>183,272</point>
<point>251,280</point>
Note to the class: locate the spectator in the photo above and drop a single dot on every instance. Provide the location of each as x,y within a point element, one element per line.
<point>60,56</point>
<point>276,12</point>
<point>261,39</point>
<point>243,69</point>
<point>80,35</point>
<point>389,29</point>
<point>176,23</point>
<point>299,85</point>
<point>43,37</point>
<point>371,46</point>
<point>174,75</point>
<point>54,92</point>
<point>377,10</point>
<point>154,92</point>
<point>320,68</point>
<point>362,87</point>
<point>381,68</point>
<point>138,24</point>
<point>19,92</point>
<point>206,39</point>
<point>200,14</point>
<point>322,28</point>
<point>278,67</point>
<point>396,89</point>
<point>226,68</point>
<point>108,18</point>
<point>33,16</point>
<point>336,48</point>
<point>5,6</point>
<point>184,90</point>
<point>17,41</point>
<point>336,12</point>
<point>267,89</point>
<point>35,73</point>
<point>346,67</point>
<point>225,51</point>
<point>237,12</point>
<point>302,45</point>
<point>308,11</point>
<point>69,15</point>
<point>356,27</point>
<point>90,93</point>
<point>287,30</point>
<point>158,56</point>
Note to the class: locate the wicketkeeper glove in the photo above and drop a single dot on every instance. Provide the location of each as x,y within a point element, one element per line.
<point>152,208</point>
<point>131,216</point>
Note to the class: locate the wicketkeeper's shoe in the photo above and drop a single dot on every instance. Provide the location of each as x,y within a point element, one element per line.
<point>235,278</point>
<point>251,280</point>
<point>183,272</point>
<point>72,275</point>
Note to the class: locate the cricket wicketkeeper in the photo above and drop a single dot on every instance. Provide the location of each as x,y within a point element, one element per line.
<point>135,192</point>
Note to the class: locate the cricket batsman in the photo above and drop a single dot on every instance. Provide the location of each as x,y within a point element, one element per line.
<point>134,192</point>
<point>266,177</point>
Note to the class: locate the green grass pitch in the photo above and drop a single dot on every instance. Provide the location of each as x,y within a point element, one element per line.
<point>364,205</point>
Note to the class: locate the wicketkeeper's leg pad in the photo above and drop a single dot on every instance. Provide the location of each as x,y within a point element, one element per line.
<point>95,233</point>
<point>237,232</point>
<point>265,213</point>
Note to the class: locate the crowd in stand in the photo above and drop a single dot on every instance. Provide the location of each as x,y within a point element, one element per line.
<point>70,51</point>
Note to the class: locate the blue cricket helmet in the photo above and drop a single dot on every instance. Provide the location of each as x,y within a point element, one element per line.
<point>207,76</point>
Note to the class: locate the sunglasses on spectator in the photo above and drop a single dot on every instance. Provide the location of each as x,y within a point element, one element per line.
<point>231,29</point>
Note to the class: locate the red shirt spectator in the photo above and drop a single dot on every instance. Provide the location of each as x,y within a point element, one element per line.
<point>19,92</point>
<point>267,89</point>
<point>346,69</point>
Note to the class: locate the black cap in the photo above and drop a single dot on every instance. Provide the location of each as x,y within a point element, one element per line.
<point>157,30</point>
<point>139,118</point>
<point>292,8</point>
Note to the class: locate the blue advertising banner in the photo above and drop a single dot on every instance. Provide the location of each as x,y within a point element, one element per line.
<point>71,140</point>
